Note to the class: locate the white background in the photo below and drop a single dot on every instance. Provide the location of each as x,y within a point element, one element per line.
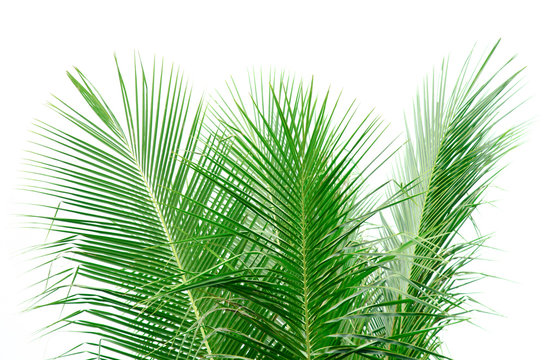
<point>376,53</point>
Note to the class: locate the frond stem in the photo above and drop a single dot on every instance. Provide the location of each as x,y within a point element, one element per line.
<point>174,252</point>
<point>305,277</point>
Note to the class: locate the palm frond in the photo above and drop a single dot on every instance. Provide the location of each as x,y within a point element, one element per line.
<point>123,209</point>
<point>453,155</point>
<point>305,182</point>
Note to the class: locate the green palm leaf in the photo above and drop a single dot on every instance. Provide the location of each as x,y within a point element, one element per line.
<point>454,153</point>
<point>305,181</point>
<point>124,210</point>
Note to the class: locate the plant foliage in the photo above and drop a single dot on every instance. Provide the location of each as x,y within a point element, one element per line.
<point>256,226</point>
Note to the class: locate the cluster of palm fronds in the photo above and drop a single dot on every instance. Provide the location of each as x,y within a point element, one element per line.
<point>245,228</point>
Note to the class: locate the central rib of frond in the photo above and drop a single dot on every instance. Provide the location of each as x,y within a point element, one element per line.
<point>171,243</point>
<point>307,330</point>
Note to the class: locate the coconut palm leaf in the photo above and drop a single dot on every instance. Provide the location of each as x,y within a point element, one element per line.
<point>453,152</point>
<point>128,238</point>
<point>305,179</point>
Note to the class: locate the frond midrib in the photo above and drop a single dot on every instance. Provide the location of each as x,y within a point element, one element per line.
<point>171,243</point>
<point>305,275</point>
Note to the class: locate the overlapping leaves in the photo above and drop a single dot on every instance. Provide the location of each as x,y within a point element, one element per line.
<point>244,231</point>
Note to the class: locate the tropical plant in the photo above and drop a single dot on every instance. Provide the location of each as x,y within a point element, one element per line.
<point>254,227</point>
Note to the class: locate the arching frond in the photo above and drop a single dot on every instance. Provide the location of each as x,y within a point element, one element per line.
<point>453,153</point>
<point>124,209</point>
<point>305,181</point>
